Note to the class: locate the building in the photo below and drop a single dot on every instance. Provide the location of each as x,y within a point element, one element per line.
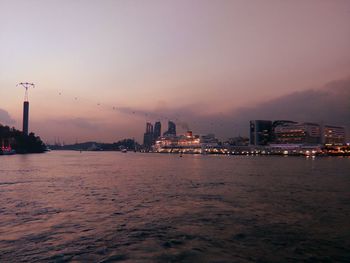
<point>209,140</point>
<point>187,143</point>
<point>157,130</point>
<point>260,132</point>
<point>277,123</point>
<point>297,133</point>
<point>333,135</point>
<point>171,129</point>
<point>148,137</point>
<point>238,141</point>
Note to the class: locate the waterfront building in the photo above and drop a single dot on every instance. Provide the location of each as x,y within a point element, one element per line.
<point>148,137</point>
<point>157,130</point>
<point>297,133</point>
<point>294,149</point>
<point>333,135</point>
<point>260,132</point>
<point>277,123</point>
<point>238,141</point>
<point>187,143</point>
<point>171,129</point>
<point>209,140</point>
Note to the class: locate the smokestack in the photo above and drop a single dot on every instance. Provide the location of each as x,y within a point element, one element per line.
<point>25,117</point>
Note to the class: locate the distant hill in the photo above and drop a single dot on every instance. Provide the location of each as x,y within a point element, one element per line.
<point>128,144</point>
<point>20,142</point>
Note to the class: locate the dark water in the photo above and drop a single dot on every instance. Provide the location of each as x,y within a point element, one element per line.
<point>109,206</point>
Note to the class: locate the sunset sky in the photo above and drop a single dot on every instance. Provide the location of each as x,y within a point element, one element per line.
<point>211,65</point>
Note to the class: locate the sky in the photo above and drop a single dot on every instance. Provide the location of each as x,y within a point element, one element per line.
<point>103,68</point>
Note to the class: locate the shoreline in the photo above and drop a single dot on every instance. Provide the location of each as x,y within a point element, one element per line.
<point>212,153</point>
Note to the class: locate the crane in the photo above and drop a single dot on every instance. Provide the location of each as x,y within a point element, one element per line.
<point>26,85</point>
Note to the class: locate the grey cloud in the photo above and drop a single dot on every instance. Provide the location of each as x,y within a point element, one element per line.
<point>81,123</point>
<point>329,104</point>
<point>5,118</point>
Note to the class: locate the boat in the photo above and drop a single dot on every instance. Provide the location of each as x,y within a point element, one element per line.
<point>7,152</point>
<point>124,150</point>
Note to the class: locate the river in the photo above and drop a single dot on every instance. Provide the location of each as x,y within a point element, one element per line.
<point>66,206</point>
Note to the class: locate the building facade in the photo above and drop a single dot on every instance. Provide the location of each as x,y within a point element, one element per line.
<point>297,133</point>
<point>187,143</point>
<point>333,135</point>
<point>171,129</point>
<point>260,132</point>
<point>157,132</point>
<point>148,137</point>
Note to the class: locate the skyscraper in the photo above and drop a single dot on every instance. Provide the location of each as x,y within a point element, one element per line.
<point>171,129</point>
<point>148,137</point>
<point>260,132</point>
<point>157,130</point>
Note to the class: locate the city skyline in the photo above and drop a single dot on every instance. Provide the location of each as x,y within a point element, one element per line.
<point>210,67</point>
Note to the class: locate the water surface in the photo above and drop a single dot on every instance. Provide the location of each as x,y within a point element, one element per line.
<point>108,206</point>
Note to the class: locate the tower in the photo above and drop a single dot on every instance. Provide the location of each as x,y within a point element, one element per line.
<point>171,128</point>
<point>260,132</point>
<point>148,136</point>
<point>26,85</point>
<point>171,132</point>
<point>157,130</point>
<point>25,117</point>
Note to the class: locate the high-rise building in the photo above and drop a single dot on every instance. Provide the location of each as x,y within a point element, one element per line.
<point>25,117</point>
<point>260,132</point>
<point>157,130</point>
<point>171,129</point>
<point>333,135</point>
<point>148,137</point>
<point>297,133</point>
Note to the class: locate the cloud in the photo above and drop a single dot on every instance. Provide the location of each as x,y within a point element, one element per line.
<point>5,118</point>
<point>80,123</point>
<point>67,129</point>
<point>329,105</point>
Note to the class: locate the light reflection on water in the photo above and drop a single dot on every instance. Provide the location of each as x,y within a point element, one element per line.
<point>109,206</point>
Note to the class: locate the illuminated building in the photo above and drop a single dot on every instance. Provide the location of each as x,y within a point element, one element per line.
<point>280,123</point>
<point>333,135</point>
<point>187,143</point>
<point>260,132</point>
<point>297,133</point>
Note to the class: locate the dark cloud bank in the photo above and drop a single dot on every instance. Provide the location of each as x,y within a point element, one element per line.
<point>329,105</point>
